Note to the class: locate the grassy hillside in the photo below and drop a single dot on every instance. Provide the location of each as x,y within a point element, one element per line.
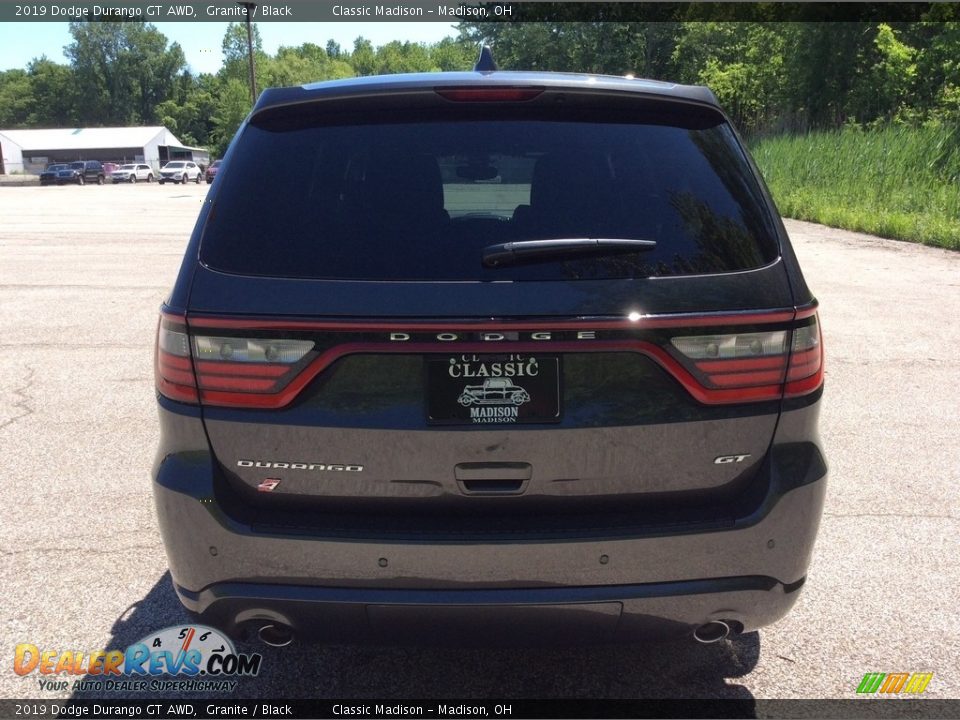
<point>896,182</point>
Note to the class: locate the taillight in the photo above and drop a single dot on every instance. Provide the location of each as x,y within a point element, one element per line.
<point>221,370</point>
<point>489,94</point>
<point>173,369</point>
<point>805,372</point>
<point>268,363</point>
<point>754,366</point>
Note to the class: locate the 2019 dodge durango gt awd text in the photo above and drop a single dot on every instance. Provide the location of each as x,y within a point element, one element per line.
<point>500,354</point>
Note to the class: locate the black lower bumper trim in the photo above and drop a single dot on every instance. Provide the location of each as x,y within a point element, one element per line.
<point>556,615</point>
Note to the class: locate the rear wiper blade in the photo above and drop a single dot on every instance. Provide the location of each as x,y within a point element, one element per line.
<point>510,253</point>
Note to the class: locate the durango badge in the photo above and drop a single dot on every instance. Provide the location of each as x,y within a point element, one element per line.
<point>266,464</point>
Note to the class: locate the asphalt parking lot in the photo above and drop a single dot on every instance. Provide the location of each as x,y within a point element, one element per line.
<point>82,273</point>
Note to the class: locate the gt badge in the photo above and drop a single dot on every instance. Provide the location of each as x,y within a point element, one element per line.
<point>727,459</point>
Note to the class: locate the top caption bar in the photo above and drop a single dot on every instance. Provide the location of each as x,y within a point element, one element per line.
<point>526,11</point>
<point>220,11</point>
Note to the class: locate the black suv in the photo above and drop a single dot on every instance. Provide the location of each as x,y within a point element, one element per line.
<point>81,172</point>
<point>334,460</point>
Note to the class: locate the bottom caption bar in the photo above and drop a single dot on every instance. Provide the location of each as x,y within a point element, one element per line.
<point>471,709</point>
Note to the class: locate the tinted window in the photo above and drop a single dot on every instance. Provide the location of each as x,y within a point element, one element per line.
<point>420,200</point>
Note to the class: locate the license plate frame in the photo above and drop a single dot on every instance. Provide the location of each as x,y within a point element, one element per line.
<point>493,389</point>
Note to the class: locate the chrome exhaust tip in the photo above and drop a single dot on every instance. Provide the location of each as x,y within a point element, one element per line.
<point>275,635</point>
<point>711,632</point>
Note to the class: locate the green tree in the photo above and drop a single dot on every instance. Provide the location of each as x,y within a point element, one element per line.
<point>402,57</point>
<point>189,114</point>
<point>609,45</point>
<point>155,68</point>
<point>743,63</point>
<point>233,105</point>
<point>236,63</point>
<point>305,64</point>
<point>16,99</point>
<point>824,62</point>
<point>936,89</point>
<point>122,70</point>
<point>363,58</point>
<point>234,44</point>
<point>450,54</point>
<point>54,98</point>
<point>891,75</point>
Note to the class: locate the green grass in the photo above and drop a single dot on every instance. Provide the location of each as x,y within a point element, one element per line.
<point>896,182</point>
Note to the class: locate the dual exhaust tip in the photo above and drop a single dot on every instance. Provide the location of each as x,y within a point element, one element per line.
<point>711,632</point>
<point>276,635</point>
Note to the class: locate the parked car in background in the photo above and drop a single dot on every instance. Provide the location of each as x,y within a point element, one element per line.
<point>82,172</point>
<point>132,173</point>
<point>51,176</point>
<point>179,171</point>
<point>211,172</point>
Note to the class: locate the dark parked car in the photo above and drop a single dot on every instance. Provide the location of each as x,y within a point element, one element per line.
<point>211,171</point>
<point>661,471</point>
<point>82,172</point>
<point>51,176</point>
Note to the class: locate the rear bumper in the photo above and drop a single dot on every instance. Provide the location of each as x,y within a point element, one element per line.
<point>569,615</point>
<point>365,590</point>
<point>611,587</point>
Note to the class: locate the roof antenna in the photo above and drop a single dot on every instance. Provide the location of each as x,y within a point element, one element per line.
<point>485,62</point>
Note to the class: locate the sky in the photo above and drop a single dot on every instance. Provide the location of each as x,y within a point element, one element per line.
<point>22,42</point>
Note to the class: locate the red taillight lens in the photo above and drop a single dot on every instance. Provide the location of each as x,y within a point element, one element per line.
<point>207,364</point>
<point>490,94</point>
<point>754,366</point>
<point>228,365</point>
<point>173,369</point>
<point>235,371</point>
<point>805,373</point>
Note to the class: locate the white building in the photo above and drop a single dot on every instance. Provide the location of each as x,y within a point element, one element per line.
<point>30,151</point>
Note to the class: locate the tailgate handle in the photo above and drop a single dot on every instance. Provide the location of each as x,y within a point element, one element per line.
<point>493,478</point>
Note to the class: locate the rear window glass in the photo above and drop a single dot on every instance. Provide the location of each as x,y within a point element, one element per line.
<point>421,200</point>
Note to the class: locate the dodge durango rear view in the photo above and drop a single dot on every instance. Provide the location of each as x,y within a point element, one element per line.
<point>499,355</point>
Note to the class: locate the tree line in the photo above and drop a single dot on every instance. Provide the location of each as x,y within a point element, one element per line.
<point>770,76</point>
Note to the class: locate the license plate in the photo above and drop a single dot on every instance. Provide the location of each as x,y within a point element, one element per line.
<point>502,389</point>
